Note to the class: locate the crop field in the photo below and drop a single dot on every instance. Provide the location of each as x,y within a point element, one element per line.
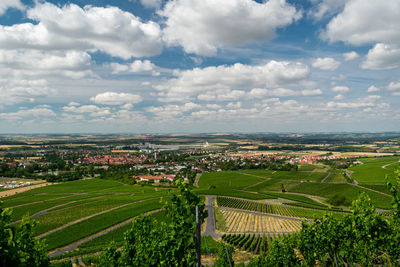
<point>276,209</point>
<point>242,222</point>
<point>70,211</point>
<point>373,170</point>
<point>251,242</point>
<point>227,180</point>
<point>351,192</point>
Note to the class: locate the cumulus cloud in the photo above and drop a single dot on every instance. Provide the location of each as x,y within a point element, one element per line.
<point>363,22</point>
<point>373,88</point>
<point>382,57</point>
<point>311,92</point>
<point>137,66</point>
<point>151,3</point>
<point>339,97</point>
<point>230,81</point>
<point>92,110</point>
<point>36,112</point>
<point>112,98</point>
<point>340,89</point>
<point>71,64</point>
<point>326,63</point>
<point>350,55</point>
<point>14,91</point>
<point>110,30</point>
<point>6,4</point>
<point>326,8</point>
<point>201,27</point>
<point>393,86</point>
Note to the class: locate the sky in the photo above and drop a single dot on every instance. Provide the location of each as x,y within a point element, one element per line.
<point>182,66</point>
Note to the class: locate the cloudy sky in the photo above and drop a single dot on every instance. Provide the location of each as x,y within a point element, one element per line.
<point>148,66</point>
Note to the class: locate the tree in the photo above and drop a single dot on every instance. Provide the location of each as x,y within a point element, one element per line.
<point>18,247</point>
<point>224,256</point>
<point>171,243</point>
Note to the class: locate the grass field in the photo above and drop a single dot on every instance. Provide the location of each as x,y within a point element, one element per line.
<point>348,191</point>
<point>372,170</point>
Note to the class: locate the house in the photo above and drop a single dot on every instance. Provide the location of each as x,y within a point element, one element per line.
<point>147,178</point>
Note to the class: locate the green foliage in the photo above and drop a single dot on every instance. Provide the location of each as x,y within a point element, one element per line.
<point>339,200</point>
<point>170,243</point>
<point>18,247</point>
<point>224,256</point>
<point>363,237</point>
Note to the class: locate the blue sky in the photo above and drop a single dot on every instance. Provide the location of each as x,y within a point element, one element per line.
<point>149,66</point>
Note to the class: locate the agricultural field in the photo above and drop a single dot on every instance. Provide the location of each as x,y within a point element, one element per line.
<point>71,211</point>
<point>374,170</point>
<point>275,209</point>
<point>243,222</point>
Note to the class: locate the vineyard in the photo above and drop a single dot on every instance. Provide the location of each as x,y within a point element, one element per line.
<point>277,209</point>
<point>251,243</point>
<point>243,222</point>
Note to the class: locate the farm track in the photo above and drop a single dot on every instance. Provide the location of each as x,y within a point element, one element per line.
<point>43,201</point>
<point>252,185</point>
<point>196,182</point>
<point>372,190</point>
<point>72,246</point>
<point>45,211</point>
<point>12,192</point>
<point>384,166</point>
<point>267,214</point>
<point>88,217</point>
<point>210,226</point>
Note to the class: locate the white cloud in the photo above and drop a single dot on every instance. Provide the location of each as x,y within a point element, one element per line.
<point>14,91</point>
<point>229,81</point>
<point>326,8</point>
<point>339,97</point>
<point>373,88</point>
<point>201,27</point>
<point>110,30</point>
<point>326,63</point>
<point>151,3</point>
<point>36,112</point>
<point>382,57</point>
<point>340,89</point>
<point>137,66</point>
<point>71,64</point>
<point>350,55</point>
<point>112,98</point>
<point>364,22</point>
<point>92,110</point>
<point>6,4</point>
<point>366,102</point>
<point>311,92</point>
<point>394,86</point>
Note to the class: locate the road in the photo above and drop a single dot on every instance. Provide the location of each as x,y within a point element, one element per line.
<point>210,226</point>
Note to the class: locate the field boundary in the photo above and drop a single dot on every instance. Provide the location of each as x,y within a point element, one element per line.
<point>72,246</point>
<point>88,217</point>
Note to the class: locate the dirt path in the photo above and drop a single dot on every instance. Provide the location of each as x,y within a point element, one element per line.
<point>72,246</point>
<point>46,200</point>
<point>252,185</point>
<point>45,211</point>
<point>196,182</point>
<point>12,192</point>
<point>370,189</point>
<point>88,217</point>
<point>384,166</point>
